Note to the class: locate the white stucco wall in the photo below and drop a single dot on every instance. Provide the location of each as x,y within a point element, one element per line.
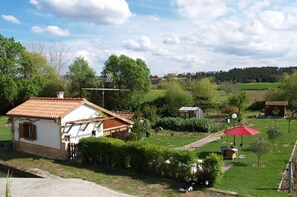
<point>47,132</point>
<point>76,132</point>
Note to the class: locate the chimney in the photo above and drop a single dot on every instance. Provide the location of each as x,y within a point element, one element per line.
<point>60,94</point>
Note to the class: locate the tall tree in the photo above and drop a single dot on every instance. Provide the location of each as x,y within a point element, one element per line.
<point>239,100</point>
<point>174,98</point>
<point>80,75</point>
<point>22,74</point>
<point>204,92</point>
<point>286,90</point>
<point>129,74</point>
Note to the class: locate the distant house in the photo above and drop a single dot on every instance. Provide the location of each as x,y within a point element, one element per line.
<point>276,108</point>
<point>190,112</point>
<point>48,126</point>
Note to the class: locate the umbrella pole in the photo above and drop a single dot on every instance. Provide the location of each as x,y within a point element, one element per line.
<point>234,141</point>
<point>241,145</point>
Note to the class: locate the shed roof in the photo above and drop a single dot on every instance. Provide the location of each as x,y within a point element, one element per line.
<point>52,108</point>
<point>277,103</point>
<point>189,108</point>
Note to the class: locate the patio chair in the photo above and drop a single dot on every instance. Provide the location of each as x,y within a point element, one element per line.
<point>223,148</point>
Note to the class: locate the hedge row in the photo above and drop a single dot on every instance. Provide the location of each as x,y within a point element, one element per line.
<point>150,159</point>
<point>138,156</point>
<point>190,124</point>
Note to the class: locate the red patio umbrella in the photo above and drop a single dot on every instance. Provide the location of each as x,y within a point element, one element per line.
<point>241,131</point>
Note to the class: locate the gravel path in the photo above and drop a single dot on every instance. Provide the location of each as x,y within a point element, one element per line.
<point>203,141</point>
<point>48,187</point>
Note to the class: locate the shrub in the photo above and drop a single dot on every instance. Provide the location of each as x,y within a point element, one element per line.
<point>211,170</point>
<point>138,156</point>
<point>257,106</point>
<point>191,124</point>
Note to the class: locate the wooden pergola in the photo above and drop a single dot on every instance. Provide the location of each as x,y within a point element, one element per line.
<point>85,122</point>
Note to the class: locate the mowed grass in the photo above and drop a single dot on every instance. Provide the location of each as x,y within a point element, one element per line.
<point>173,139</point>
<point>5,131</point>
<point>245,177</point>
<point>257,86</point>
<point>153,94</point>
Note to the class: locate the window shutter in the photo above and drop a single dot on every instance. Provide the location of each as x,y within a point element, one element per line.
<point>22,130</point>
<point>33,130</point>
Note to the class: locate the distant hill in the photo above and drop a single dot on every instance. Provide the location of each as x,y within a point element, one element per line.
<point>244,75</point>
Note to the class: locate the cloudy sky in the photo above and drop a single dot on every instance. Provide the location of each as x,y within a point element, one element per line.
<point>172,36</point>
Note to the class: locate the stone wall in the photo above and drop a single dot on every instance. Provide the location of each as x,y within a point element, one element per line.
<point>43,151</point>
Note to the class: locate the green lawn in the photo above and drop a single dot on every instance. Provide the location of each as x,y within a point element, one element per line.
<point>257,86</point>
<point>246,178</point>
<point>174,139</point>
<point>153,94</point>
<point>5,130</point>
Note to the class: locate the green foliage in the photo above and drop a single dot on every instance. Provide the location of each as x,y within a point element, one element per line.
<point>190,124</point>
<point>22,74</point>
<point>239,100</point>
<point>259,147</point>
<point>140,129</point>
<point>174,98</point>
<point>273,134</point>
<point>204,92</point>
<point>137,156</point>
<point>257,106</point>
<point>127,74</point>
<point>80,76</point>
<point>286,90</point>
<point>150,112</point>
<point>211,169</point>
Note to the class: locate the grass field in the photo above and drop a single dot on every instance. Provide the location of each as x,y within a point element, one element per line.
<point>257,86</point>
<point>172,139</point>
<point>153,94</point>
<point>5,131</point>
<point>244,176</point>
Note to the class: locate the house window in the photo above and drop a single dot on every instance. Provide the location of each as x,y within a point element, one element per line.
<point>27,130</point>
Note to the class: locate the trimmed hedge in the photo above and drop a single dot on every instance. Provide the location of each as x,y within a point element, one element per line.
<point>149,159</point>
<point>190,124</point>
<point>138,156</point>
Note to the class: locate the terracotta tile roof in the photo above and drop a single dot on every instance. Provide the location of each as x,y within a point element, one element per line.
<point>277,103</point>
<point>42,107</point>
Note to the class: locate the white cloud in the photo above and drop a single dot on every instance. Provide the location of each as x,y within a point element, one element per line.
<point>171,40</point>
<point>143,43</point>
<point>202,9</point>
<point>10,19</point>
<point>53,30</point>
<point>112,12</point>
<point>154,18</point>
<point>273,19</point>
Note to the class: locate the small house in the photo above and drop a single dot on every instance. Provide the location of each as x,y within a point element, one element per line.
<point>276,108</point>
<point>49,127</point>
<point>190,112</point>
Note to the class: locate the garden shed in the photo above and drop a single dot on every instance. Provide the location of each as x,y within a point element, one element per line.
<point>48,126</point>
<point>276,108</point>
<point>190,112</point>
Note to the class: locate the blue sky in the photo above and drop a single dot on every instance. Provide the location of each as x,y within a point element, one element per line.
<point>172,36</point>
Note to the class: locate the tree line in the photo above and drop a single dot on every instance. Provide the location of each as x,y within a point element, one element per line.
<point>244,75</point>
